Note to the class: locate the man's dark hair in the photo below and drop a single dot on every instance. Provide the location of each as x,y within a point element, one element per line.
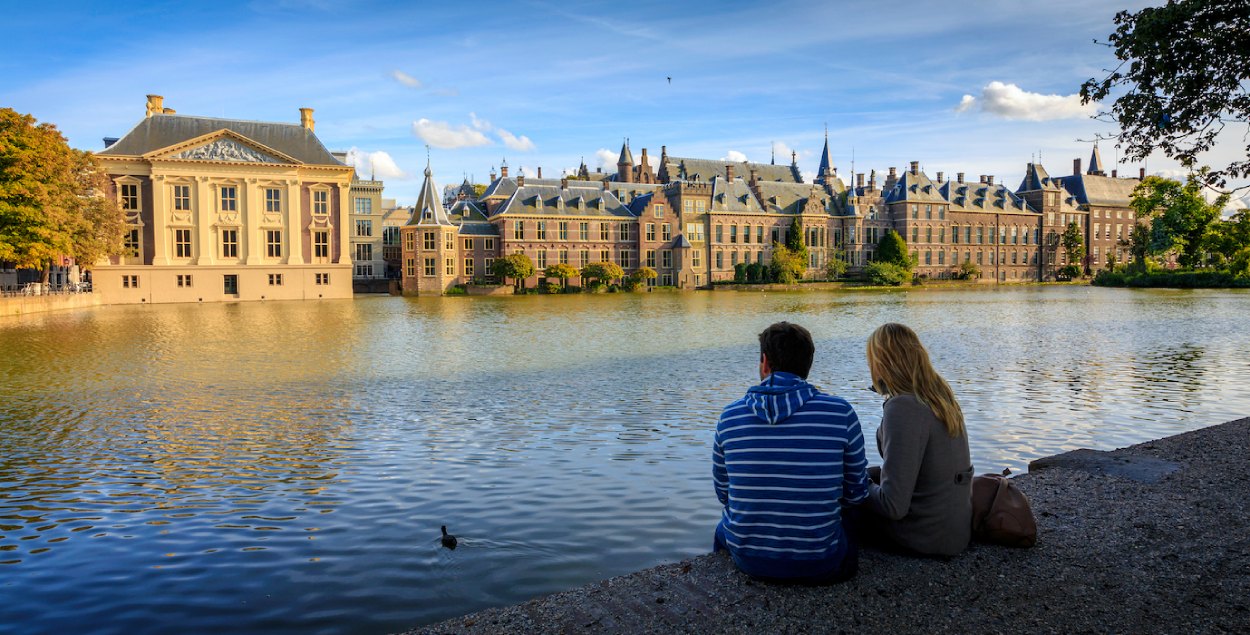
<point>789,348</point>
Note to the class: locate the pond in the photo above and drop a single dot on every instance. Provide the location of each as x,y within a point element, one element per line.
<point>285,467</point>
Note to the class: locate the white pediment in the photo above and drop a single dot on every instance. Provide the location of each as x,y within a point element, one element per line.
<point>225,149</point>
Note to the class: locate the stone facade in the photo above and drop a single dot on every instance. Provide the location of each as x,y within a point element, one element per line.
<point>224,210</point>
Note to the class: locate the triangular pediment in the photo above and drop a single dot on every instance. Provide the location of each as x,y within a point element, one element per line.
<point>222,146</point>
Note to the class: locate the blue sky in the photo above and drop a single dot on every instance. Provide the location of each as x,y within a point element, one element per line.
<point>974,87</point>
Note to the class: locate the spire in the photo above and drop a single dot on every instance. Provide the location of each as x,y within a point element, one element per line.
<point>1095,163</point>
<point>773,161</point>
<point>429,208</point>
<point>826,166</point>
<point>627,157</point>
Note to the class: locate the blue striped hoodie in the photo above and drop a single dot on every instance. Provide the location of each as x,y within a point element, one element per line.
<point>785,458</point>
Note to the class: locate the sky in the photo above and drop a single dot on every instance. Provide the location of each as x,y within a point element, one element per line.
<point>980,87</point>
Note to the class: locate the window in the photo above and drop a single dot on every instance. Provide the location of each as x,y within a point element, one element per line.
<point>449,241</point>
<point>273,243</point>
<point>410,241</point>
<point>915,234</point>
<point>980,258</point>
<point>564,256</point>
<point>130,282</point>
<point>720,260</point>
<point>759,234</point>
<point>321,244</point>
<point>231,284</point>
<point>229,198</point>
<point>182,243</point>
<point>651,258</point>
<point>542,230</point>
<point>364,227</point>
<point>942,212</point>
<point>625,261</point>
<point>605,256</point>
<point>624,233</point>
<point>364,205</point>
<point>488,265</point>
<point>603,232</point>
<point>468,267</point>
<point>928,234</point>
<point>273,199</point>
<point>720,233</point>
<point>584,258</point>
<point>650,232</point>
<point>746,234</point>
<point>942,257</point>
<point>980,235</point>
<point>928,257</point>
<point>928,212</point>
<point>410,267</point>
<point>518,230</point>
<point>696,259</point>
<point>733,259</point>
<point>182,198</point>
<point>942,234</point>
<point>564,230</point>
<point>584,231</point>
<point>542,259</point>
<point>694,232</point>
<point>468,244</point>
<point>229,243</point>
<point>364,251</point>
<point>666,259</point>
<point>733,233</point>
<point>184,280</point>
<point>658,210</point>
<point>429,267</point>
<point>490,244</point>
<point>915,212</point>
<point>666,280</point>
<point>1015,236</point>
<point>322,278</point>
<point>275,279</point>
<point>688,205</point>
<point>321,202</point>
<point>666,232</point>
<point>700,206</point>
<point>131,242</point>
<point>449,266</point>
<point>427,241</point>
<point>130,196</point>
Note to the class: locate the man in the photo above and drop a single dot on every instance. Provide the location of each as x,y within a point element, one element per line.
<point>785,461</point>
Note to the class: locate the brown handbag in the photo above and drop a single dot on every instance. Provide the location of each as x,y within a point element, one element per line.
<point>1001,513</point>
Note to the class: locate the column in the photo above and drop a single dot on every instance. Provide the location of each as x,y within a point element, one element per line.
<point>251,236</point>
<point>160,226</point>
<point>341,218</point>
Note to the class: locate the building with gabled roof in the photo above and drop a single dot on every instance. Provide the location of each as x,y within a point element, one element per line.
<point>224,209</point>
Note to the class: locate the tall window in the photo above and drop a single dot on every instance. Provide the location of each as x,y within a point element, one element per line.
<point>624,233</point>
<point>468,244</point>
<point>650,231</point>
<point>666,258</point>
<point>696,258</point>
<point>584,231</point>
<point>605,256</point>
<point>273,243</point>
<point>182,198</point>
<point>428,267</point>
<point>449,266</point>
<point>229,198</point>
<point>759,234</point>
<point>518,230</point>
<point>130,196</point>
<point>666,232</point>
<point>410,267</point>
<point>468,267</point>
<point>584,258</point>
<point>427,241</point>
<point>449,242</point>
<point>603,233</point>
<point>651,258</point>
<point>542,259</point>
<point>273,199</point>
<point>564,256</point>
<point>364,227</point>
<point>321,202</point>
<point>410,241</point>
<point>364,206</point>
<point>229,243</point>
<point>542,230</point>
<point>659,210</point>
<point>490,244</point>
<point>564,230</point>
<point>182,243</point>
<point>321,245</point>
<point>131,243</point>
<point>364,251</point>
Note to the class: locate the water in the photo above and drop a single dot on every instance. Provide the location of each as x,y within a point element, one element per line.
<point>285,467</point>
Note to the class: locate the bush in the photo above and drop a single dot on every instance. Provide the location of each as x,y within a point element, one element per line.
<point>740,273</point>
<point>1171,279</point>
<point>549,287</point>
<point>1070,272</point>
<point>757,273</point>
<point>886,274</point>
<point>459,289</point>
<point>968,271</point>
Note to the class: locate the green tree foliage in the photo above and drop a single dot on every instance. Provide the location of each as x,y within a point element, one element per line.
<point>639,277</point>
<point>893,249</point>
<point>1073,244</point>
<point>757,272</point>
<point>1180,218</point>
<point>886,274</point>
<point>1183,67</point>
<point>968,271</point>
<point>603,271</point>
<point>515,266</point>
<point>52,198</point>
<point>787,267</point>
<point>794,240</point>
<point>561,270</point>
<point>835,265</point>
<point>740,272</point>
<point>1231,237</point>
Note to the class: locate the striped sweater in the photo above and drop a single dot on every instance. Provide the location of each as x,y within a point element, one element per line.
<point>785,458</point>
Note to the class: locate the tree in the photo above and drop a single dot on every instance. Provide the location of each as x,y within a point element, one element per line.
<point>886,274</point>
<point>893,249</point>
<point>52,201</point>
<point>603,271</point>
<point>787,267</point>
<point>794,239</point>
<point>835,265</point>
<point>516,266</point>
<point>561,270</point>
<point>1184,66</point>
<point>968,271</point>
<point>1073,244</point>
<point>740,272</point>
<point>1181,218</point>
<point>1232,236</point>
<point>640,276</point>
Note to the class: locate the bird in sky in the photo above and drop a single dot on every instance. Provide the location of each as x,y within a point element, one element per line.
<point>670,80</point>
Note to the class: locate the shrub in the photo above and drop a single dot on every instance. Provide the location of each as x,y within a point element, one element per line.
<point>740,273</point>
<point>886,274</point>
<point>459,289</point>
<point>1070,272</point>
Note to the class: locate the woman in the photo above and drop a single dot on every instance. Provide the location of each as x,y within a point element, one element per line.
<point>924,494</point>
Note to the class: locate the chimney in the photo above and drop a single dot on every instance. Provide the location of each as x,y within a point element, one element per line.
<point>109,141</point>
<point>564,182</point>
<point>540,171</point>
<point>1113,174</point>
<point>915,167</point>
<point>1076,167</point>
<point>155,105</point>
<point>306,119</point>
<point>939,177</point>
<point>959,176</point>
<point>599,170</point>
<point>989,179</point>
<point>503,171</point>
<point>492,175</point>
<point>520,180</point>
<point>729,172</point>
<point>872,180</point>
<point>892,174</point>
<point>169,111</point>
<point>755,176</point>
<point>1141,174</point>
<point>859,179</point>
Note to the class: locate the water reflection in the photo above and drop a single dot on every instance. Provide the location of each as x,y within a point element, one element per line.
<point>286,466</point>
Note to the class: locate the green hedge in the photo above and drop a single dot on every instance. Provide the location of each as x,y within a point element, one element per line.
<point>1171,279</point>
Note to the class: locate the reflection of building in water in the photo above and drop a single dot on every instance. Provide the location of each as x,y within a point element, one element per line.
<point>694,221</point>
<point>222,209</point>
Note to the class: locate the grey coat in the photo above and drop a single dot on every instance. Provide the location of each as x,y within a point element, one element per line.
<point>925,494</point>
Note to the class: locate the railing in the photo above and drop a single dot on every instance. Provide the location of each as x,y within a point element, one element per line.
<point>38,288</point>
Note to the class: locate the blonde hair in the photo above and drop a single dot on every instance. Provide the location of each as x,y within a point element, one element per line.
<point>900,365</point>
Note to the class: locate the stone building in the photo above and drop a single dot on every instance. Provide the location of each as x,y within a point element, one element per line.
<point>223,209</point>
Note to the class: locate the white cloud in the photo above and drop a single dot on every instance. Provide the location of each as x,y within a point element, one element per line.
<point>440,134</point>
<point>529,173</point>
<point>808,177</point>
<point>406,79</point>
<point>607,158</point>
<point>479,124</point>
<point>781,152</point>
<point>1011,102</point>
<point>735,156</point>
<point>520,144</point>
<point>379,164</point>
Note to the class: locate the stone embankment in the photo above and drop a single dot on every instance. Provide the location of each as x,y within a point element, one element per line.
<point>11,306</point>
<point>1154,538</point>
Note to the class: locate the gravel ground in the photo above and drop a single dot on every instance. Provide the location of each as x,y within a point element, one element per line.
<point>1147,539</point>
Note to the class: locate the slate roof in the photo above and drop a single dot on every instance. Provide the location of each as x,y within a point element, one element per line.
<point>914,188</point>
<point>1090,189</point>
<point>789,198</point>
<point>1036,178</point>
<point>703,170</point>
<point>507,186</point>
<point>546,200</point>
<point>429,208</point>
<point>975,196</point>
<point>162,131</point>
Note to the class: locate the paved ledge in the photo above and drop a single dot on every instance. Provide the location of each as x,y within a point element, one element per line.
<point>1154,538</point>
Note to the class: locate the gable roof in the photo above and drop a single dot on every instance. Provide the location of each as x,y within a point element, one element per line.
<point>162,131</point>
<point>1091,189</point>
<point>429,208</point>
<point>704,170</point>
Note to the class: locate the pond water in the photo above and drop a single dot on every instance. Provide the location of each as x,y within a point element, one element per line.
<point>285,467</point>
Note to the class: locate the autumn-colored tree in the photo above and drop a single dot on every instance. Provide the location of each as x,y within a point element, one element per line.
<point>561,270</point>
<point>52,201</point>
<point>603,271</point>
<point>787,267</point>
<point>516,266</point>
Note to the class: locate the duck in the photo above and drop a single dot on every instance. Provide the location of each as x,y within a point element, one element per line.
<point>449,540</point>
